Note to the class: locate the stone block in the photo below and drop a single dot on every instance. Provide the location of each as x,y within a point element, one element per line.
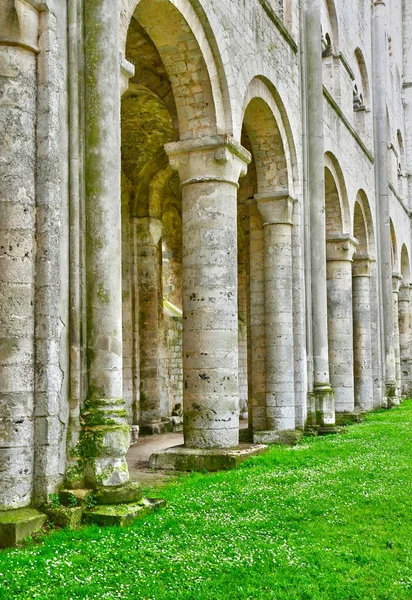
<point>180,458</point>
<point>122,514</point>
<point>81,496</point>
<point>118,495</point>
<point>65,516</point>
<point>287,437</point>
<point>15,525</point>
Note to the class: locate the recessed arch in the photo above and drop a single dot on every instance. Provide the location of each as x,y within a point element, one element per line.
<point>330,26</point>
<point>262,93</point>
<point>191,59</point>
<point>363,73</point>
<point>363,225</point>
<point>405,265</point>
<point>332,166</point>
<point>394,248</point>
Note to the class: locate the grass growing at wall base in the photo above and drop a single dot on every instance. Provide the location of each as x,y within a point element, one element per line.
<point>330,519</point>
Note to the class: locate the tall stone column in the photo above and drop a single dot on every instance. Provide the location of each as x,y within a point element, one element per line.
<point>18,81</point>
<point>106,433</point>
<point>362,340</point>
<point>147,234</point>
<point>339,254</point>
<point>404,307</point>
<point>396,282</point>
<point>277,214</point>
<point>257,319</point>
<point>209,170</point>
<point>324,404</point>
<point>382,209</point>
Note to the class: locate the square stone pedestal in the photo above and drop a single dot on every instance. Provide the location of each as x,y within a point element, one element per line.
<point>287,437</point>
<point>15,525</point>
<point>180,458</point>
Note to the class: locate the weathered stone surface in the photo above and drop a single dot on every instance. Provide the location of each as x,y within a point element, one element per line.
<point>65,516</point>
<point>15,525</point>
<point>283,437</point>
<point>127,493</point>
<point>122,514</point>
<point>180,458</point>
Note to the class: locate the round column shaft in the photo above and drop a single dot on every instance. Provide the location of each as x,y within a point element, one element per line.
<point>396,281</point>
<point>106,430</point>
<point>209,170</point>
<point>257,319</point>
<point>148,232</point>
<point>18,80</point>
<point>324,405</point>
<point>339,254</point>
<point>276,212</point>
<point>362,346</point>
<point>404,337</point>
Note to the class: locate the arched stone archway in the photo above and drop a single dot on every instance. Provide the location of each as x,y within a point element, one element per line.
<point>340,247</point>
<point>267,208</point>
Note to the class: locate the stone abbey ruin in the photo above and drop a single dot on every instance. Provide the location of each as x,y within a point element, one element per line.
<point>205,215</point>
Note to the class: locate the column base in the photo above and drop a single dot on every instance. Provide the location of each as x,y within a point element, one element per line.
<point>17,524</point>
<point>391,397</point>
<point>324,405</point>
<point>122,515</point>
<point>180,458</point>
<point>343,418</point>
<point>287,437</point>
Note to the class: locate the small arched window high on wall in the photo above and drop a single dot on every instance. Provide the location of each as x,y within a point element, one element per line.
<point>330,48</point>
<point>362,118</point>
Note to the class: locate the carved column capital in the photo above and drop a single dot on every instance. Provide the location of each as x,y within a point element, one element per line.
<point>217,158</point>
<point>19,23</point>
<point>396,282</point>
<point>276,208</point>
<point>361,265</point>
<point>341,247</point>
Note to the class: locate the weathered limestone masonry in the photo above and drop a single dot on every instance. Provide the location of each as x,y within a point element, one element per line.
<point>277,217</point>
<point>17,270</point>
<point>209,170</point>
<point>339,253</point>
<point>362,341</point>
<point>145,279</point>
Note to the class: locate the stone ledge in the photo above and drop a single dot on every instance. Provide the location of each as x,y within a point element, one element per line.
<point>122,514</point>
<point>15,525</point>
<point>180,458</point>
<point>288,437</point>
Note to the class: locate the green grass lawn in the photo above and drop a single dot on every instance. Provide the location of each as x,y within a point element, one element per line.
<point>329,519</point>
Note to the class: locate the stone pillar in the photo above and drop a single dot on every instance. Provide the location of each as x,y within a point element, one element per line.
<point>106,433</point>
<point>339,255</point>
<point>382,207</point>
<point>405,337</point>
<point>362,340</point>
<point>209,170</point>
<point>277,213</point>
<point>324,404</point>
<point>396,282</point>
<point>147,234</point>
<point>18,81</point>
<point>257,320</point>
